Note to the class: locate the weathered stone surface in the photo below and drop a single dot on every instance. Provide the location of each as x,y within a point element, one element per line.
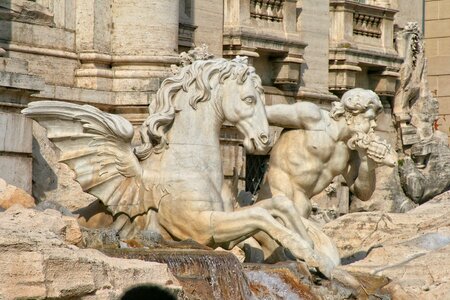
<point>388,195</point>
<point>410,249</point>
<point>429,175</point>
<point>18,170</point>
<point>54,181</point>
<point>10,195</point>
<point>26,11</point>
<point>15,133</point>
<point>39,260</point>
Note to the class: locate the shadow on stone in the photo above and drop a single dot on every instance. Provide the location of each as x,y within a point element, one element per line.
<point>354,257</point>
<point>147,292</point>
<point>47,179</point>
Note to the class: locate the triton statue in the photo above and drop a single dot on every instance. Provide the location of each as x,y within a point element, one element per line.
<point>318,145</point>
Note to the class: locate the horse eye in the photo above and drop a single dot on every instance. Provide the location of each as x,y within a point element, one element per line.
<point>249,100</point>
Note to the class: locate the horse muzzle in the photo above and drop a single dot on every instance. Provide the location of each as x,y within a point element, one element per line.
<point>257,145</point>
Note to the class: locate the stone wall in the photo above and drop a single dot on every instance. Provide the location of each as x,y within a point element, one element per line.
<point>437,47</point>
<point>408,11</point>
<point>313,23</point>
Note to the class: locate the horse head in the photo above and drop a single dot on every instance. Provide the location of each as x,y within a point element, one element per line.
<point>237,93</point>
<point>243,106</point>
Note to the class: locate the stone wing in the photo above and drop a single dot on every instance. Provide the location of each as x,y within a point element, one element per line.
<point>97,146</point>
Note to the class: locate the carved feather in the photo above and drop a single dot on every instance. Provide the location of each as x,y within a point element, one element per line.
<point>97,146</point>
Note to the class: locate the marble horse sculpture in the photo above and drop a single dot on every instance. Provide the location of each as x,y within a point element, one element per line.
<point>175,177</point>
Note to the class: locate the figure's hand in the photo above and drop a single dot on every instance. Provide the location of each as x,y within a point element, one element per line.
<point>372,146</point>
<point>377,151</point>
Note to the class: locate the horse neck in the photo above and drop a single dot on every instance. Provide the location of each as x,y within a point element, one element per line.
<point>197,127</point>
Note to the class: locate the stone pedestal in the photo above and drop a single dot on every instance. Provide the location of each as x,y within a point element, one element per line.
<point>16,88</point>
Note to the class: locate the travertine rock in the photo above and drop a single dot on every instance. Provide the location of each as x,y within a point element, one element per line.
<point>10,195</point>
<point>388,195</point>
<point>39,260</point>
<point>423,180</point>
<point>410,249</point>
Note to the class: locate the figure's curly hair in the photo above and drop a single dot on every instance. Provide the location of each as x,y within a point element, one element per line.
<point>356,101</point>
<point>199,74</point>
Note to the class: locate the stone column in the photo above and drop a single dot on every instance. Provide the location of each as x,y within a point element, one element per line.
<point>313,25</point>
<point>93,44</point>
<point>144,42</point>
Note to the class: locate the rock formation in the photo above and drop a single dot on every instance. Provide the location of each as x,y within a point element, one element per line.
<point>40,259</point>
<point>424,152</point>
<point>409,249</point>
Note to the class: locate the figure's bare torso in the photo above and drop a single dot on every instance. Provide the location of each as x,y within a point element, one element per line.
<point>307,160</point>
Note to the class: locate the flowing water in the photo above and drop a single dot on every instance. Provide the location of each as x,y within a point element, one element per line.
<point>204,274</point>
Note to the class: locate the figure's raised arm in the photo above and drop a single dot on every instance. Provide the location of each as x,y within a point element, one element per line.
<point>300,115</point>
<point>360,175</point>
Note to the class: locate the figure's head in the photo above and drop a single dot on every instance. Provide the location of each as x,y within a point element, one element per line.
<point>359,107</point>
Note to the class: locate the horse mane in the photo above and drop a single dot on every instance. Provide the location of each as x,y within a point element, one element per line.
<point>199,74</point>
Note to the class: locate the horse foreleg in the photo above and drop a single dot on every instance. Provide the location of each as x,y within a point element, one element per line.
<point>232,227</point>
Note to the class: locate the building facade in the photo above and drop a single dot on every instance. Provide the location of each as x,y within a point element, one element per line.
<point>114,54</point>
<point>437,47</point>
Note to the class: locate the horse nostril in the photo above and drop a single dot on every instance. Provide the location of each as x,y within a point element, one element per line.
<point>264,138</point>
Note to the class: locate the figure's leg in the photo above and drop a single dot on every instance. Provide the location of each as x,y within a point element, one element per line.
<point>284,209</point>
<point>235,226</point>
<point>322,243</point>
<point>226,229</point>
<point>302,204</point>
<point>250,220</point>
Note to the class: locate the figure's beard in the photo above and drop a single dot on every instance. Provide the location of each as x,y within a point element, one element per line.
<point>376,148</point>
